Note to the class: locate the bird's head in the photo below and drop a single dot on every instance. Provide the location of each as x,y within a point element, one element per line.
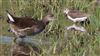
<point>66,11</point>
<point>48,18</point>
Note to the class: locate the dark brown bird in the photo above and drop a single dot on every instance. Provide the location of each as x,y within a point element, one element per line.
<point>20,50</point>
<point>24,50</point>
<point>23,26</point>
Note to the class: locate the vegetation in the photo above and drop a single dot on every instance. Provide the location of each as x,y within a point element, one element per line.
<point>75,44</point>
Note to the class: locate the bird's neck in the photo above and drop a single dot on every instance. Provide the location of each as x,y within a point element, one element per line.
<point>69,17</point>
<point>45,21</point>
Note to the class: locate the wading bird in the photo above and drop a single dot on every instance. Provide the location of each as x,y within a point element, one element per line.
<point>25,26</point>
<point>76,16</point>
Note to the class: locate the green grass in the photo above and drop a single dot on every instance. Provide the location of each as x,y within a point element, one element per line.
<point>77,43</point>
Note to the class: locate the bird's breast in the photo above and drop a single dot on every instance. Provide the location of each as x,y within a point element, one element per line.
<point>38,30</point>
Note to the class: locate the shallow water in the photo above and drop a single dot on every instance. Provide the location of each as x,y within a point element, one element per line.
<point>28,40</point>
<point>6,40</point>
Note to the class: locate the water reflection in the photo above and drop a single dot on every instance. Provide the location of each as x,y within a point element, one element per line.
<point>6,40</point>
<point>75,28</point>
<point>21,44</point>
<point>24,46</point>
<point>28,40</point>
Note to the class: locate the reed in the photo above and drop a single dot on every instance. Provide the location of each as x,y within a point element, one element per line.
<point>77,43</point>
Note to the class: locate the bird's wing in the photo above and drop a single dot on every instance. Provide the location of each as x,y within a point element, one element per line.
<point>77,14</point>
<point>25,22</point>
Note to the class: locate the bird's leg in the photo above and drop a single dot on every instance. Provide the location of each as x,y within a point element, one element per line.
<point>76,22</point>
<point>82,23</point>
<point>87,21</point>
<point>9,30</point>
<point>22,38</point>
<point>15,39</point>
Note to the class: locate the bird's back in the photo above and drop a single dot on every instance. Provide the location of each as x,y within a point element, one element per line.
<point>24,22</point>
<point>76,14</point>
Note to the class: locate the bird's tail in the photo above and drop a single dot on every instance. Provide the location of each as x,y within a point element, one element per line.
<point>10,17</point>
